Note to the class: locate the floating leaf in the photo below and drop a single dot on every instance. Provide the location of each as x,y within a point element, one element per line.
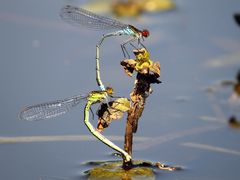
<point>114,170</point>
<point>158,5</point>
<point>126,8</point>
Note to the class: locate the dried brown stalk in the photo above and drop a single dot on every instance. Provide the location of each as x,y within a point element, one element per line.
<point>148,72</point>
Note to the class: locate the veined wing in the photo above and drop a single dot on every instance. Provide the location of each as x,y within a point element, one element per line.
<point>50,109</point>
<point>78,16</point>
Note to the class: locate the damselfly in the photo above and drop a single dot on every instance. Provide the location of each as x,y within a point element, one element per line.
<point>59,107</point>
<point>79,16</point>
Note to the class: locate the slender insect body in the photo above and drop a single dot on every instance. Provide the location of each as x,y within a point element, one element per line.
<point>96,96</point>
<point>79,16</point>
<point>128,31</point>
<point>56,108</point>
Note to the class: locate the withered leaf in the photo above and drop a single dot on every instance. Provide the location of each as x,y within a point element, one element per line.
<point>142,64</point>
<point>128,66</point>
<point>113,111</point>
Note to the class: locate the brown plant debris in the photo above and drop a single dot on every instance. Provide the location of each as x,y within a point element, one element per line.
<point>112,111</point>
<point>148,73</point>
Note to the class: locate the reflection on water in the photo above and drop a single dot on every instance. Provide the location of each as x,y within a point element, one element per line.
<point>211,148</point>
<point>63,138</point>
<point>233,122</point>
<point>237,18</point>
<point>155,141</point>
<point>224,60</point>
<point>53,178</point>
<point>129,8</point>
<point>224,97</point>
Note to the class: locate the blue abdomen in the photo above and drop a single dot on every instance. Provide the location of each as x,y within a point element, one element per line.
<point>127,31</point>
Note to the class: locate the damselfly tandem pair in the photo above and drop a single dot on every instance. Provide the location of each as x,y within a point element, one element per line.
<point>59,107</point>
<point>78,16</point>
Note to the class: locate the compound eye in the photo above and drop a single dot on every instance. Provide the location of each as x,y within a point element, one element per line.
<point>145,33</point>
<point>109,90</point>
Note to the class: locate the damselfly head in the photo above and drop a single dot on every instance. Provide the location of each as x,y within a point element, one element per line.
<point>145,33</point>
<point>109,90</point>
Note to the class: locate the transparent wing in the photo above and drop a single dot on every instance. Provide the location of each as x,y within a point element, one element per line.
<point>50,109</point>
<point>79,16</point>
